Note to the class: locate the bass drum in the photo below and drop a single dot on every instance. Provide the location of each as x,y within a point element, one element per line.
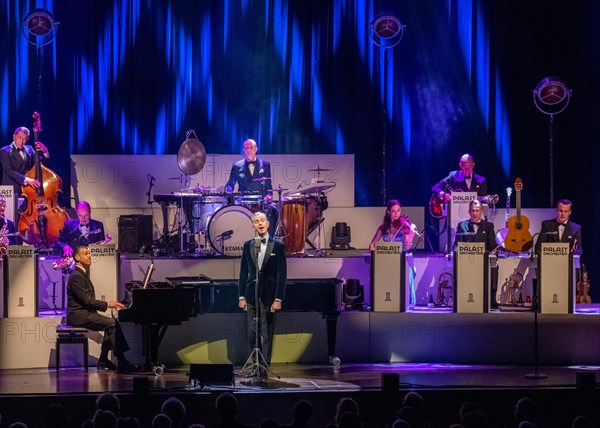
<point>229,227</point>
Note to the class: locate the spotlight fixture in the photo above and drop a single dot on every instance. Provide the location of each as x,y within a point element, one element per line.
<point>386,30</point>
<point>39,27</point>
<point>551,96</point>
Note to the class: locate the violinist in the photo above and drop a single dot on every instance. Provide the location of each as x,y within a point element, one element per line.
<point>395,227</point>
<point>398,228</point>
<point>18,158</point>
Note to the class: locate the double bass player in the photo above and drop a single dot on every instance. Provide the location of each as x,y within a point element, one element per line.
<point>17,159</point>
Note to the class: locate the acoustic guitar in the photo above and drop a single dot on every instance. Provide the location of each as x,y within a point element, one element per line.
<point>438,208</point>
<point>583,287</point>
<point>518,238</point>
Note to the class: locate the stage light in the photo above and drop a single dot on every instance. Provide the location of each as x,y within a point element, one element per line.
<point>386,30</point>
<point>39,27</point>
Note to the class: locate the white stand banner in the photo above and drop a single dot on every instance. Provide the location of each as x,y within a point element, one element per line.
<point>20,282</point>
<point>10,212</point>
<point>387,272</point>
<point>104,271</point>
<point>555,279</point>
<point>471,278</point>
<point>458,211</point>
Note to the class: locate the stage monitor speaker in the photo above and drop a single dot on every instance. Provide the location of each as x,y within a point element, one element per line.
<point>211,374</point>
<point>354,296</point>
<point>390,382</point>
<point>135,233</point>
<point>340,237</point>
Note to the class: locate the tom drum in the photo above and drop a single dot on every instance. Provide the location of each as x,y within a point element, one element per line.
<point>202,210</point>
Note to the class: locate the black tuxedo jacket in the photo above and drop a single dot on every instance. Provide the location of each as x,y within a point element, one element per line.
<point>571,234</point>
<point>456,182</point>
<point>272,275</point>
<point>82,298</point>
<point>14,167</point>
<point>10,228</point>
<point>240,174</point>
<point>71,235</point>
<point>485,233</point>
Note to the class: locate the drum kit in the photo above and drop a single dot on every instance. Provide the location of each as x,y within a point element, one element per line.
<point>218,223</point>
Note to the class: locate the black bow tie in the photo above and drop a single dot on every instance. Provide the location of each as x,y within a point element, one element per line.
<point>475,223</point>
<point>251,162</point>
<point>467,178</point>
<point>263,241</point>
<point>22,149</point>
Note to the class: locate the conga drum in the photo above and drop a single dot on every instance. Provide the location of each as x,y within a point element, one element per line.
<point>295,222</point>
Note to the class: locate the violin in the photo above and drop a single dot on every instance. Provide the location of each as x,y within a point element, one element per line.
<point>583,287</point>
<point>409,229</point>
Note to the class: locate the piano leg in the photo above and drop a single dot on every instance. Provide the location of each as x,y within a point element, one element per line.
<point>331,320</point>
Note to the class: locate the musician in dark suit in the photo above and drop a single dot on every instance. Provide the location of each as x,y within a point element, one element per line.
<point>269,255</point>
<point>476,229</point>
<point>561,229</point>
<point>82,311</point>
<point>18,158</point>
<point>80,231</point>
<point>10,226</point>
<point>246,172</point>
<point>462,180</point>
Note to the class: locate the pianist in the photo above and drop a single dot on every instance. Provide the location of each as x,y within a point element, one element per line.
<point>269,255</point>
<point>83,310</point>
<point>80,231</point>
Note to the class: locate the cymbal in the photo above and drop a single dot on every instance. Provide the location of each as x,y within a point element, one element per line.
<point>191,156</point>
<point>198,189</point>
<point>319,169</point>
<point>261,179</point>
<point>278,189</point>
<point>176,178</point>
<point>315,188</point>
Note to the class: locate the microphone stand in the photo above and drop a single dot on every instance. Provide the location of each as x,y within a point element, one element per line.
<point>535,374</point>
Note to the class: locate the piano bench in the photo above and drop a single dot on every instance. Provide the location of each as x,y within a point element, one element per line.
<point>66,334</point>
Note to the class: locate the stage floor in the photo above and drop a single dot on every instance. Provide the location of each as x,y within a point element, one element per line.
<point>295,377</point>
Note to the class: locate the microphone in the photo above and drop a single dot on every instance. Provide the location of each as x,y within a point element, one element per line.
<point>151,178</point>
<point>227,233</point>
<point>534,249</point>
<point>257,242</point>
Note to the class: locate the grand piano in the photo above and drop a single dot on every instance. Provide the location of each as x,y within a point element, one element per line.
<point>180,298</point>
<point>155,309</point>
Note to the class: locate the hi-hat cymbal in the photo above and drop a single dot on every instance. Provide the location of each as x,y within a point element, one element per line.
<point>261,179</point>
<point>319,169</point>
<point>315,188</point>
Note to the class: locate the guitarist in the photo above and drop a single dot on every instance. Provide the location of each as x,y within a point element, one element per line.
<point>476,229</point>
<point>561,229</point>
<point>464,179</point>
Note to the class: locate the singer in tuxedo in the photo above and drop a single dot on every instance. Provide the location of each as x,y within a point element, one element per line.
<point>266,255</point>
<point>18,158</point>
<point>82,311</point>
<point>81,231</point>
<point>464,180</point>
<point>561,228</point>
<point>246,172</point>
<point>476,229</point>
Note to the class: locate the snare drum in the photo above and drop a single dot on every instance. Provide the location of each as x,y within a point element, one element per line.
<point>295,222</point>
<point>252,202</point>
<point>202,210</point>
<point>228,228</point>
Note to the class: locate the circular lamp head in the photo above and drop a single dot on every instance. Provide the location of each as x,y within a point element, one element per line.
<point>551,96</point>
<point>386,30</point>
<point>39,27</point>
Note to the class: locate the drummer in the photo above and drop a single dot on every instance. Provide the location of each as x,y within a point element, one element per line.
<point>253,175</point>
<point>248,171</point>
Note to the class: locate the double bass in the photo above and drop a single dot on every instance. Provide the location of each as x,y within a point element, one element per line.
<point>43,219</point>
